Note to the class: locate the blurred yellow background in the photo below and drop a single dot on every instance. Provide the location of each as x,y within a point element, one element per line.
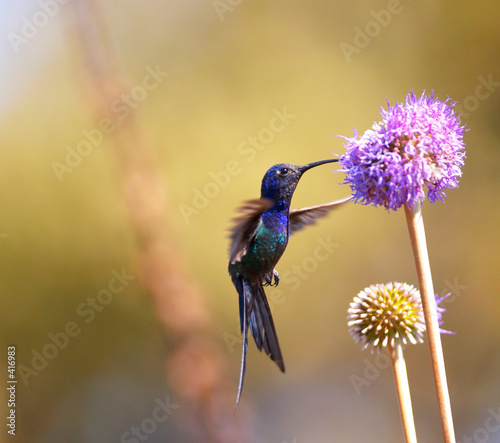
<point>204,81</point>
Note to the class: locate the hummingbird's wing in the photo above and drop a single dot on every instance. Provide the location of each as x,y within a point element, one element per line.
<point>300,218</point>
<point>245,226</point>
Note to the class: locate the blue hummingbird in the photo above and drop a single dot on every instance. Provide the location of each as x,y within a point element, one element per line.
<point>258,239</point>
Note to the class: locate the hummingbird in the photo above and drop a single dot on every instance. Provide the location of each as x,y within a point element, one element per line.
<point>259,237</point>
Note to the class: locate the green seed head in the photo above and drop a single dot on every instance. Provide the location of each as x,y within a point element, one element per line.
<point>387,314</point>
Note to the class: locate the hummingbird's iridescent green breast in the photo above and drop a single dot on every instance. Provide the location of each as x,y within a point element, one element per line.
<point>267,246</point>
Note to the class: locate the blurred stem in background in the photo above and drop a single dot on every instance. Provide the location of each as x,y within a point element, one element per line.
<point>197,370</point>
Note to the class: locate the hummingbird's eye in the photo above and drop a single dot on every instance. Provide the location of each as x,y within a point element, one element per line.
<point>283,171</point>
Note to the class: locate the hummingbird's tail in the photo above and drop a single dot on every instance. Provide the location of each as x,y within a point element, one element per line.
<point>255,313</point>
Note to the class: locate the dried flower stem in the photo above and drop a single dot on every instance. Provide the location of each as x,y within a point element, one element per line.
<point>197,369</point>
<point>403,389</point>
<point>417,237</point>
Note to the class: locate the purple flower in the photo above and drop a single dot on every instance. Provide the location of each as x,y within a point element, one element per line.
<point>417,145</point>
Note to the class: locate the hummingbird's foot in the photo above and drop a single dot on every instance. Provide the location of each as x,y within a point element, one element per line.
<point>276,278</point>
<point>268,279</point>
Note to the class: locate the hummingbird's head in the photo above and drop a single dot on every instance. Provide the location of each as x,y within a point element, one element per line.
<point>280,180</point>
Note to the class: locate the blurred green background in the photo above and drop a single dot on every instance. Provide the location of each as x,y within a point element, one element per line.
<point>232,66</point>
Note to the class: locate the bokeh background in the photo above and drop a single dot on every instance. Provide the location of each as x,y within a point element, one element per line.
<point>153,199</point>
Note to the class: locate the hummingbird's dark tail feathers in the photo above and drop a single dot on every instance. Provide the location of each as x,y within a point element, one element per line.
<point>255,313</point>
<point>262,326</point>
<point>244,335</point>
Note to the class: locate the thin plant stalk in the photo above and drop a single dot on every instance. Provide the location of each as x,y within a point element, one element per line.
<point>403,390</point>
<point>196,368</point>
<point>417,237</point>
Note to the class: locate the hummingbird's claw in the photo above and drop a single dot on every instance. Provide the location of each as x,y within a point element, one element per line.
<point>268,279</point>
<point>276,278</point>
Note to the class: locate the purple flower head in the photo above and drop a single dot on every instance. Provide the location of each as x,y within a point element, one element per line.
<point>417,145</point>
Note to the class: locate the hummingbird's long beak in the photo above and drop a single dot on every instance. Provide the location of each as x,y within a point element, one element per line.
<point>313,165</point>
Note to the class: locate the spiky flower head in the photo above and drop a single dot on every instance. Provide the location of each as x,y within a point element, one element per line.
<point>418,145</point>
<point>388,314</point>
